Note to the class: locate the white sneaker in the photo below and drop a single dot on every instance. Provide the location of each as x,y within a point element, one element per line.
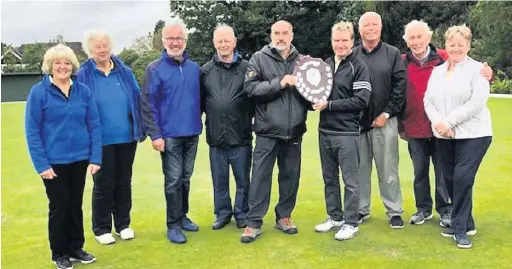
<point>346,232</point>
<point>328,225</point>
<point>106,239</point>
<point>127,234</point>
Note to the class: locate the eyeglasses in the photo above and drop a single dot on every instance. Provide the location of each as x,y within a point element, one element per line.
<point>177,39</point>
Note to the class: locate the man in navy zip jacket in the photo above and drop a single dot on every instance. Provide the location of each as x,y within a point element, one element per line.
<point>228,113</point>
<point>171,112</point>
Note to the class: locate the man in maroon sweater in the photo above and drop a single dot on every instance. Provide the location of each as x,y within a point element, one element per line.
<point>415,127</point>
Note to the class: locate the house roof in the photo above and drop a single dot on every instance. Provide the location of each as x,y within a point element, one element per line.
<point>75,46</point>
<point>13,52</point>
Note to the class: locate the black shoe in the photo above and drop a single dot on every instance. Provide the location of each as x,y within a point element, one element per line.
<point>448,232</point>
<point>82,256</point>
<point>462,241</point>
<point>189,226</point>
<point>63,262</point>
<point>362,217</point>
<point>396,222</point>
<point>221,223</point>
<point>240,224</point>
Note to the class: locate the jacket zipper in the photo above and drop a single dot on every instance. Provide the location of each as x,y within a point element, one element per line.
<point>289,110</point>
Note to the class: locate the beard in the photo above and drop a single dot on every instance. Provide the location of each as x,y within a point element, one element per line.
<point>175,52</point>
<point>281,46</point>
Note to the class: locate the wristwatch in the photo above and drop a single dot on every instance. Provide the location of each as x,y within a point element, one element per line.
<point>386,115</point>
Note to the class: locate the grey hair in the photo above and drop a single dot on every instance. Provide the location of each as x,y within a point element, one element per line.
<point>416,23</point>
<point>368,14</point>
<point>95,35</point>
<point>176,23</point>
<point>223,26</point>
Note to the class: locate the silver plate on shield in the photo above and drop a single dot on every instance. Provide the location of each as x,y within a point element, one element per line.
<point>314,79</point>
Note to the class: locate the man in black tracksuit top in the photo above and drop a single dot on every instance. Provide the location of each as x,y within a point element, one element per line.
<point>339,133</point>
<point>279,124</point>
<point>228,127</point>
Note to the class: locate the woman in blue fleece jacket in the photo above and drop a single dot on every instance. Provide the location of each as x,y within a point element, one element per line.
<point>114,88</point>
<point>64,140</point>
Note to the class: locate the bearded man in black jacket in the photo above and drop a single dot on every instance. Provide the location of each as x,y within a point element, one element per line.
<point>280,122</point>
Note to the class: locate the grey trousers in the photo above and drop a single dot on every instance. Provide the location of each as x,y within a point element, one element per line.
<point>381,145</point>
<point>340,152</point>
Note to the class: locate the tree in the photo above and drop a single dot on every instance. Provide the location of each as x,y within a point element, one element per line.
<point>438,14</point>
<point>140,65</point>
<point>129,56</point>
<point>251,22</point>
<point>157,35</point>
<point>33,55</point>
<point>491,27</point>
<point>143,44</point>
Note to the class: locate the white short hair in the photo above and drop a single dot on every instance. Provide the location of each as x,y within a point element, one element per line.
<point>414,23</point>
<point>59,51</point>
<point>95,35</point>
<point>176,23</point>
<point>223,26</point>
<point>369,13</point>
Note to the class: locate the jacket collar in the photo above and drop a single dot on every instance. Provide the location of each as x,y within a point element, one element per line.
<point>274,53</point>
<point>431,56</point>
<point>236,60</point>
<point>347,58</point>
<point>90,65</point>
<point>365,51</point>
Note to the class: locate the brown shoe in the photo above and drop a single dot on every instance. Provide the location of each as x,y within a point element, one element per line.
<point>286,225</point>
<point>250,234</point>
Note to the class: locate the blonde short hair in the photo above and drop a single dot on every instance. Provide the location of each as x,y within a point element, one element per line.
<point>95,35</point>
<point>343,26</point>
<point>413,23</point>
<point>463,30</point>
<point>59,51</point>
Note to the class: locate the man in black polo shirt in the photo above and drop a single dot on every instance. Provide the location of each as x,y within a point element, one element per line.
<point>379,133</point>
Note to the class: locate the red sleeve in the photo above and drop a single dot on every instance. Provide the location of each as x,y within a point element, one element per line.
<point>443,54</point>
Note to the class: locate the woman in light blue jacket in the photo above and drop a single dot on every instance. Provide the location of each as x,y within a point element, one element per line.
<point>115,89</point>
<point>456,104</point>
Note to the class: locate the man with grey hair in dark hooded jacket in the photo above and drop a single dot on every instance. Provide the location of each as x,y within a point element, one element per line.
<point>280,122</point>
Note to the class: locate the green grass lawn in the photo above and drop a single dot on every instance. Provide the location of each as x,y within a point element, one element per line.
<point>24,216</point>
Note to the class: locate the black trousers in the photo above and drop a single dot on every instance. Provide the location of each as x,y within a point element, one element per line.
<point>460,160</point>
<point>65,218</point>
<point>421,151</point>
<point>112,191</point>
<point>266,151</point>
<point>341,152</point>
